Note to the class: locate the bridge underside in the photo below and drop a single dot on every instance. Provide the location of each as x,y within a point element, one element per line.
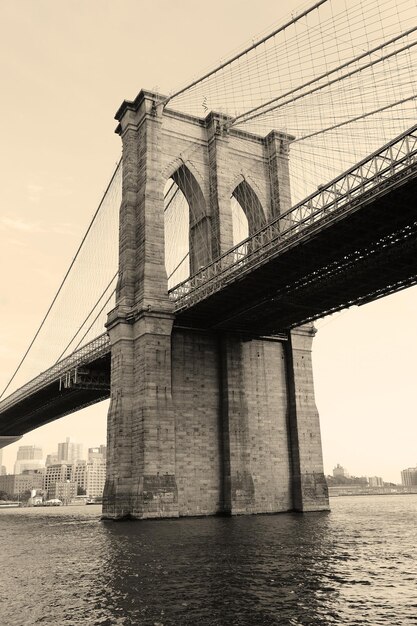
<point>6,441</point>
<point>353,260</point>
<point>58,398</point>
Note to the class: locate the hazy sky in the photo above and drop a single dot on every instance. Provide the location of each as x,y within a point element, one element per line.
<point>66,65</point>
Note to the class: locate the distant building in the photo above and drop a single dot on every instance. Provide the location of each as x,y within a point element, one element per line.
<point>2,467</point>
<point>340,472</point>
<point>28,458</point>
<point>62,490</point>
<point>409,477</point>
<point>90,476</point>
<point>69,451</point>
<point>57,473</point>
<point>97,453</point>
<point>17,484</point>
<point>375,481</point>
<point>51,459</point>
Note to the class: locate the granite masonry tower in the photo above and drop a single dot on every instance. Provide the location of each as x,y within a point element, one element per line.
<point>202,422</point>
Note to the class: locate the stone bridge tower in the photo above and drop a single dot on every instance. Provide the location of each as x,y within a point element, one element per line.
<point>202,422</point>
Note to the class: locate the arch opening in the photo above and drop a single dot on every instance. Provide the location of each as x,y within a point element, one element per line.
<point>240,224</point>
<point>247,216</point>
<point>249,203</point>
<point>187,227</point>
<point>177,226</point>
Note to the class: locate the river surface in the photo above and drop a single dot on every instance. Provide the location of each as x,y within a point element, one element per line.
<point>355,565</point>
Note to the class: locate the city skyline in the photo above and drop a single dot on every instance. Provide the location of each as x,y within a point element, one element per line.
<point>42,456</point>
<point>86,453</point>
<point>56,170</point>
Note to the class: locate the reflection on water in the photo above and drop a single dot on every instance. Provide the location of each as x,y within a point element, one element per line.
<point>355,565</point>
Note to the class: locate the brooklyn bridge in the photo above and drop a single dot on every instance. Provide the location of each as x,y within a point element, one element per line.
<point>191,299</point>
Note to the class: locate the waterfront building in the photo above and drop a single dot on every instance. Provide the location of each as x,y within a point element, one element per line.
<point>57,473</point>
<point>2,467</point>
<point>375,481</point>
<point>340,472</point>
<point>28,458</point>
<point>62,490</point>
<point>90,476</point>
<point>409,477</point>
<point>69,451</point>
<point>17,484</point>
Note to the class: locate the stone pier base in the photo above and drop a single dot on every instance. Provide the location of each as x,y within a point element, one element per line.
<point>235,431</point>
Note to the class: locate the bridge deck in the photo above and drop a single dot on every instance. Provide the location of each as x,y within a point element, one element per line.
<point>351,242</point>
<point>351,259</point>
<point>77,381</point>
<point>361,213</point>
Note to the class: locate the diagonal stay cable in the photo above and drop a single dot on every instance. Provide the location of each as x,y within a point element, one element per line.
<point>86,319</point>
<point>355,119</point>
<point>179,265</point>
<point>250,116</point>
<point>63,280</point>
<point>66,276</point>
<point>245,51</point>
<point>94,320</point>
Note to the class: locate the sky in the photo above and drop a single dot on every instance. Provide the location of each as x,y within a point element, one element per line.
<point>66,66</point>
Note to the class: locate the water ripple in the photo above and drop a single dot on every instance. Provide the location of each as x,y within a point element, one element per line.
<point>356,565</point>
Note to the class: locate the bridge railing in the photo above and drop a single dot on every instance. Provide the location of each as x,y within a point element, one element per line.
<point>370,177</point>
<point>94,349</point>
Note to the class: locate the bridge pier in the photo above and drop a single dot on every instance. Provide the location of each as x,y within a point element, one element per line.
<point>212,424</point>
<point>309,487</point>
<point>201,422</point>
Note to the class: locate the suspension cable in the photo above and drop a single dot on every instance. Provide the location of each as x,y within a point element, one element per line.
<point>355,119</point>
<point>94,320</point>
<point>63,281</point>
<point>249,49</point>
<point>86,319</point>
<point>319,87</point>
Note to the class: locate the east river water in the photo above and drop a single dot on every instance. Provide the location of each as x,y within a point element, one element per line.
<point>355,565</point>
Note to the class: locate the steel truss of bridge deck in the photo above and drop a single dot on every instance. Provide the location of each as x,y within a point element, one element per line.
<point>63,372</point>
<point>373,176</point>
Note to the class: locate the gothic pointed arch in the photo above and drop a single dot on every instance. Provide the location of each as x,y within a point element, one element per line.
<point>187,226</point>
<point>250,204</point>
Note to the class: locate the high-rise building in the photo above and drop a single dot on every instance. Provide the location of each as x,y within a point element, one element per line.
<point>409,477</point>
<point>2,467</point>
<point>340,472</point>
<point>58,473</point>
<point>69,452</point>
<point>90,476</point>
<point>51,459</point>
<point>375,481</point>
<point>99,452</point>
<point>28,458</point>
